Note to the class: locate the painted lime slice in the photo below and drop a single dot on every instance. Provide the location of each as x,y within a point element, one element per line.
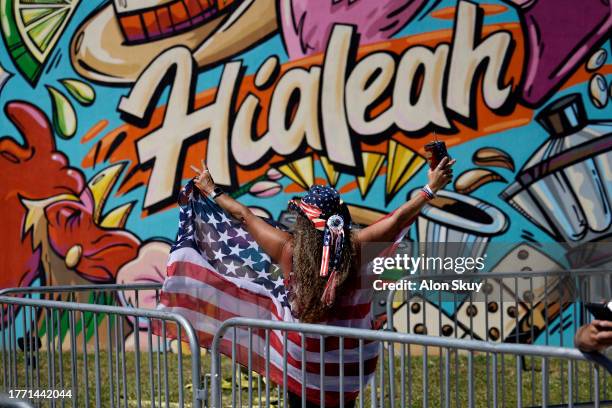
<point>31,29</point>
<point>30,15</point>
<point>81,91</point>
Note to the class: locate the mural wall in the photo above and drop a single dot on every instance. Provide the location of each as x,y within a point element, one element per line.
<point>107,104</point>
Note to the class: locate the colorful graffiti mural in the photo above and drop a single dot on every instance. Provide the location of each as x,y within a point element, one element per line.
<point>108,104</point>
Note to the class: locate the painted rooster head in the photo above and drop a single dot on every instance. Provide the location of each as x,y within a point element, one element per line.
<point>52,219</point>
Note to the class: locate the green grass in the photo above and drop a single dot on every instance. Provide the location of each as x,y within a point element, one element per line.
<point>531,384</point>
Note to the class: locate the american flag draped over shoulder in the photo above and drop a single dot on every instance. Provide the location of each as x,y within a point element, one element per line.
<point>217,271</point>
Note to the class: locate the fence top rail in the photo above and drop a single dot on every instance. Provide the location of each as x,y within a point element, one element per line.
<point>81,288</point>
<point>94,308</point>
<point>401,338</point>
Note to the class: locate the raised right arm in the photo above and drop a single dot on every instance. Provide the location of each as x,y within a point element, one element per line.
<point>270,239</point>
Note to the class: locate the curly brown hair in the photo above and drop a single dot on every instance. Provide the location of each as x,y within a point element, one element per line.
<point>306,284</point>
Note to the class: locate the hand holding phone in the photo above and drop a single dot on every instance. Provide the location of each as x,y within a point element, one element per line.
<point>601,311</point>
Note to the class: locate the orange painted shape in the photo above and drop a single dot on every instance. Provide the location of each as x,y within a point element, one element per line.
<point>224,3</point>
<point>151,24</point>
<point>350,186</point>
<point>132,26</point>
<point>163,17</point>
<point>178,13</point>
<point>94,131</point>
<point>205,4</point>
<point>448,13</point>
<point>193,8</point>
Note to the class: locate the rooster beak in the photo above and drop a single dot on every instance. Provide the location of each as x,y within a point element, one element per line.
<point>117,217</point>
<point>100,186</point>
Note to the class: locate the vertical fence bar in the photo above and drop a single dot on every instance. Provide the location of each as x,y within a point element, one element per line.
<point>30,339</point>
<point>165,351</point>
<point>25,347</point>
<point>250,369</point>
<point>544,382</point>
<point>596,385</point>
<point>381,377</point>
<point>425,379</point>
<point>373,391</point>
<point>14,346</point>
<point>157,351</point>
<point>123,364</point>
<point>49,353</point>
<point>303,358</point>
<point>109,354</point>
<point>519,383</point>
<point>180,365</point>
<point>38,345</point>
<point>495,380</point>
<point>137,357</point>
<point>570,384</point>
<point>97,360</point>
<point>440,362</point>
<point>117,374</point>
<point>285,368</point>
<point>361,374</point>
<point>85,370</point>
<point>234,369</point>
<point>73,360</point>
<point>3,330</point>
<point>403,376</point>
<point>391,374</point>
<point>341,346</point>
<point>3,341</point>
<point>447,378</point>
<point>322,370</point>
<point>267,346</point>
<point>470,375</point>
<point>151,375</point>
<point>60,352</point>
<point>532,336</point>
<point>27,313</point>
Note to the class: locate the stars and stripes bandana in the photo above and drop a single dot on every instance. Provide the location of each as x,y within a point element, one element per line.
<point>327,212</point>
<point>216,271</point>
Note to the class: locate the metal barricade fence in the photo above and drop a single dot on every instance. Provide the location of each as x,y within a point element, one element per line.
<point>53,348</point>
<point>429,374</point>
<point>511,306</point>
<point>516,307</point>
<point>409,379</point>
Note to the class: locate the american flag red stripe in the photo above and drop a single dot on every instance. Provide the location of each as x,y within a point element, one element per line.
<point>216,271</point>
<point>313,213</point>
<point>324,261</point>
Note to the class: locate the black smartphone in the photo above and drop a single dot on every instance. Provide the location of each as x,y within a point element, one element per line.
<point>435,152</point>
<point>601,311</point>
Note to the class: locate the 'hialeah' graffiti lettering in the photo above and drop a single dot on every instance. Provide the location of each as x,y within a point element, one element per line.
<point>426,86</point>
